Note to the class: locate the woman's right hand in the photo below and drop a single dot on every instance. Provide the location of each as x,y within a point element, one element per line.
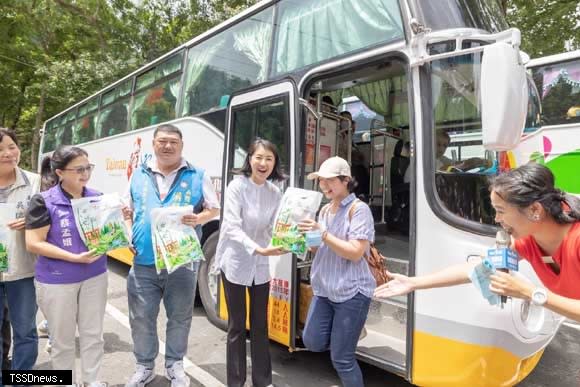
<point>399,285</point>
<point>270,251</point>
<point>88,256</point>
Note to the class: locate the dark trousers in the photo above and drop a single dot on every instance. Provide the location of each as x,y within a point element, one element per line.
<point>6,333</point>
<point>259,342</point>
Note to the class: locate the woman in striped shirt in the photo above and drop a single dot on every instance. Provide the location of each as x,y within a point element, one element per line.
<point>341,279</point>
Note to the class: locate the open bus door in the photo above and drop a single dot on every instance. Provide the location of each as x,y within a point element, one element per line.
<point>268,112</point>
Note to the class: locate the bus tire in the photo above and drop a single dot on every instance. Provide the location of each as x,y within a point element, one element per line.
<point>205,283</point>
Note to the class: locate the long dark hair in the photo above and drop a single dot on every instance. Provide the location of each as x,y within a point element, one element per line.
<point>246,169</point>
<point>59,159</point>
<point>533,183</point>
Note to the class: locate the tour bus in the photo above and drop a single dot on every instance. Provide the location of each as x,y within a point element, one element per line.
<point>416,67</point>
<point>556,143</point>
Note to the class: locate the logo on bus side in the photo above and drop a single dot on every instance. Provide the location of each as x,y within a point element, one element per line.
<point>113,164</point>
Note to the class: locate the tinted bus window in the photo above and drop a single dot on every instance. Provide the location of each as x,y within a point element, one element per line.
<point>113,118</point>
<point>230,61</point>
<point>309,32</point>
<point>559,88</point>
<point>157,92</point>
<point>86,124</point>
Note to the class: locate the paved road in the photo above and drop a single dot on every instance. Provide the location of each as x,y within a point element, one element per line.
<point>559,367</point>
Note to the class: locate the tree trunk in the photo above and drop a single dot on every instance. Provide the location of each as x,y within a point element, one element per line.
<point>504,6</point>
<point>37,125</point>
<point>20,102</point>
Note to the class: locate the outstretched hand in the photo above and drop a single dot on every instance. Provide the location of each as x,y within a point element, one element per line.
<point>399,285</point>
<point>271,251</point>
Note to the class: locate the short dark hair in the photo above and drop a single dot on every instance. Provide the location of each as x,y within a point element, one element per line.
<point>168,128</point>
<point>347,114</point>
<point>531,183</point>
<point>246,169</point>
<point>59,159</point>
<point>10,133</point>
<point>328,99</point>
<point>352,183</point>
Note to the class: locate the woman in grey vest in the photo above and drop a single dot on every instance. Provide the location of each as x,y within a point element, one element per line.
<point>16,264</point>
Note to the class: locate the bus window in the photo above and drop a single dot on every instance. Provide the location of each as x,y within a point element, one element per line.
<point>156,94</point>
<point>461,163</point>
<point>268,120</point>
<point>85,127</point>
<point>231,61</point>
<point>313,31</point>
<point>113,118</point>
<point>50,131</point>
<point>64,132</point>
<point>559,87</point>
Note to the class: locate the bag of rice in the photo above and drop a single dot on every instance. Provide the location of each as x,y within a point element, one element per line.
<point>100,222</point>
<point>158,255</point>
<point>177,242</point>
<point>297,205</point>
<point>7,215</point>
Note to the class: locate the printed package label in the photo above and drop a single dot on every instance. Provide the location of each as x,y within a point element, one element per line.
<point>297,205</point>
<point>174,243</point>
<point>100,222</point>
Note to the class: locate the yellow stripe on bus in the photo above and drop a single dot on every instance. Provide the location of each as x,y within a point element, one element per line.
<point>439,361</point>
<point>124,255</point>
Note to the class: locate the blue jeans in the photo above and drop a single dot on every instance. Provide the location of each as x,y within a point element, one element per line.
<point>20,296</point>
<point>146,289</point>
<point>337,326</point>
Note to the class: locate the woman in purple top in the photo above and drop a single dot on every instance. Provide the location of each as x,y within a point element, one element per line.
<point>71,282</point>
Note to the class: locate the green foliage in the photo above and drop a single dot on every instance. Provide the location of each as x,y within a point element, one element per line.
<point>57,52</point>
<point>548,26</point>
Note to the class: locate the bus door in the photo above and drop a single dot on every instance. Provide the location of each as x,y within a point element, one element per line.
<point>363,115</point>
<point>270,113</point>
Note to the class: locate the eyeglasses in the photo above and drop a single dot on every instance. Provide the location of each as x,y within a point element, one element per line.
<point>81,170</point>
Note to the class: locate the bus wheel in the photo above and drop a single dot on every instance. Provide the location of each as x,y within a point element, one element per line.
<point>208,283</point>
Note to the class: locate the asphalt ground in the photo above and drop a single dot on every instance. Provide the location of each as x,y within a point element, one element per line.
<point>205,363</point>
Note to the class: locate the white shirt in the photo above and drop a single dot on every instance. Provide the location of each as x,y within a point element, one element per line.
<point>248,218</point>
<point>164,183</point>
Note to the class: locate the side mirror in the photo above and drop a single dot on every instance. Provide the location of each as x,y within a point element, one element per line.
<point>504,97</point>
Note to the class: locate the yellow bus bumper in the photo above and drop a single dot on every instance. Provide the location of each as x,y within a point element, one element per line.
<point>439,361</point>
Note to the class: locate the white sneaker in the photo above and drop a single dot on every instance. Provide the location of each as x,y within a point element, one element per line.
<point>177,375</point>
<point>48,347</point>
<point>141,377</point>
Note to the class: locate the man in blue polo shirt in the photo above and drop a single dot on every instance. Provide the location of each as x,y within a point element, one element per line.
<point>167,180</point>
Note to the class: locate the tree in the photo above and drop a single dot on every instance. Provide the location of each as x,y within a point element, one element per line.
<point>548,26</point>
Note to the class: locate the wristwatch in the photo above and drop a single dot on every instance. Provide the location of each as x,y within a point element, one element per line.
<point>539,296</point>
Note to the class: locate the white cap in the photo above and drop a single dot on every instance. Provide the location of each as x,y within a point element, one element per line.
<point>331,167</point>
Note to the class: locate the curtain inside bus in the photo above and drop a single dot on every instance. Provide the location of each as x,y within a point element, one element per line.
<point>387,97</point>
<point>309,32</point>
<point>230,61</point>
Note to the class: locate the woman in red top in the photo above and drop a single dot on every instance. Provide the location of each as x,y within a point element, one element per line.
<point>544,224</point>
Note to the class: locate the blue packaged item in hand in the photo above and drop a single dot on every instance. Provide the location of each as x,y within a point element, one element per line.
<point>313,238</point>
<point>480,278</point>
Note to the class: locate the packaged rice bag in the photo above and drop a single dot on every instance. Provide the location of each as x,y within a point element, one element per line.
<point>297,204</point>
<point>158,255</point>
<point>177,242</point>
<point>7,215</point>
<point>99,220</point>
